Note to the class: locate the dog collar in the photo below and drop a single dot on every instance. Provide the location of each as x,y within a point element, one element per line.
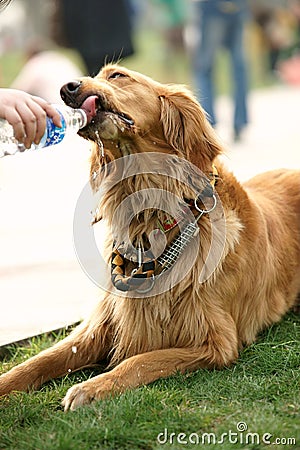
<point>168,223</point>
<point>150,268</point>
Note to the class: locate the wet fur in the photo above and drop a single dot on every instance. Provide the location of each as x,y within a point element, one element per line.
<point>193,325</point>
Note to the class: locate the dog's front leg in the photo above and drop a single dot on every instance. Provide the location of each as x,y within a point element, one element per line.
<point>143,369</point>
<point>79,349</point>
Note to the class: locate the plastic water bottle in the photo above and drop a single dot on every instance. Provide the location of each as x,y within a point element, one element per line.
<point>72,120</point>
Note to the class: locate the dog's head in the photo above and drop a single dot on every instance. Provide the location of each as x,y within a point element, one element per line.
<point>131,113</point>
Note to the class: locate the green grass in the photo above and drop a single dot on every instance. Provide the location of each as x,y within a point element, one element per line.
<point>261,390</point>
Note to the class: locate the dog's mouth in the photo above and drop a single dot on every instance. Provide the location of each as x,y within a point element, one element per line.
<point>97,111</point>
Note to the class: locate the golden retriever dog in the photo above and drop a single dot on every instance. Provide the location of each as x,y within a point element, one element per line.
<point>200,263</point>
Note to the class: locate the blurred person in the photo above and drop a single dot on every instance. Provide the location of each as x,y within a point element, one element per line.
<point>176,19</point>
<point>276,25</point>
<point>100,30</point>
<point>26,114</point>
<point>289,68</point>
<point>295,9</point>
<point>222,24</point>
<point>172,16</point>
<point>45,72</point>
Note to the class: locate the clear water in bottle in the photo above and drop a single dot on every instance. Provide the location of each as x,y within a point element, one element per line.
<point>72,120</point>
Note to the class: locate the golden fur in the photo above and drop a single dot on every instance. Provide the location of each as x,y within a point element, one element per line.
<point>192,324</point>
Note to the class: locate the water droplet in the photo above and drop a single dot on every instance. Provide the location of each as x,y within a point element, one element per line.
<point>100,144</point>
<point>74,349</point>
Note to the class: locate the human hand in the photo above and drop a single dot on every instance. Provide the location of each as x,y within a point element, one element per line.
<point>27,115</point>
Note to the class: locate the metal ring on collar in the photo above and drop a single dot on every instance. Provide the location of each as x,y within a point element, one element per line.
<point>149,288</point>
<point>206,211</point>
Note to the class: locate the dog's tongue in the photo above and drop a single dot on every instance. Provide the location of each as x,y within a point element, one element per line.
<point>90,107</point>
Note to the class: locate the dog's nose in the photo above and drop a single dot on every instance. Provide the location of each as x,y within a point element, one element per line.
<point>70,89</point>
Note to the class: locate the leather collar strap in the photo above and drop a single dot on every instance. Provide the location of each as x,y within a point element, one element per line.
<point>169,223</point>
<point>150,267</point>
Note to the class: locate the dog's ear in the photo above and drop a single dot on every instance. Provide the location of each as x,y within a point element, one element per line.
<point>186,127</point>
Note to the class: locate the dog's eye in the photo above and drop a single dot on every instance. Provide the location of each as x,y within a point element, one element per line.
<point>116,75</point>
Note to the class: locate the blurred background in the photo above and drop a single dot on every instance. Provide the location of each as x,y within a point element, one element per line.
<point>163,34</point>
<point>44,43</point>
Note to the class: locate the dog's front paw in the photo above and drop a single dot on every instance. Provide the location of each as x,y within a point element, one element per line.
<point>84,393</point>
<point>78,395</point>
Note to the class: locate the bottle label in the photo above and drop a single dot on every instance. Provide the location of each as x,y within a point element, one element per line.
<point>55,134</point>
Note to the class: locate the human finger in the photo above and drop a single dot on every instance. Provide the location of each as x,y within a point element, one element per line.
<point>50,110</point>
<point>16,121</point>
<point>29,116</point>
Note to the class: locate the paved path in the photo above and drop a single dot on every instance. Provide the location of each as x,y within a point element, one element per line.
<point>272,139</point>
<point>42,286</point>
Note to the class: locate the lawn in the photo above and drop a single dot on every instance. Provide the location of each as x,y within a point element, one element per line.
<point>255,400</point>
